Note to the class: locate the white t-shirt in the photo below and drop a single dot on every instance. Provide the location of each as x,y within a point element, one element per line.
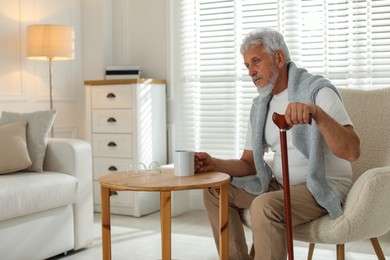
<point>338,171</point>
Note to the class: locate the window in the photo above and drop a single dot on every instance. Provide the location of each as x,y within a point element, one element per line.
<point>346,41</point>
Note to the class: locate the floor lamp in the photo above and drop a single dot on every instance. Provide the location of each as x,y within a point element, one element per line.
<point>50,42</point>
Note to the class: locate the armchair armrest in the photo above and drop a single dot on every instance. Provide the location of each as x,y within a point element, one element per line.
<point>74,157</point>
<point>369,196</point>
<point>365,213</point>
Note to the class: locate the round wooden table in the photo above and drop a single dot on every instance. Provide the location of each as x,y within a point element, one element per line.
<point>164,182</point>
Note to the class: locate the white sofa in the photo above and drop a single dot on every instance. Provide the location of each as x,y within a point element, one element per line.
<point>43,214</point>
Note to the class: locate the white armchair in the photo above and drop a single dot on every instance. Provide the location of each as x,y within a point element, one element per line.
<point>367,207</point>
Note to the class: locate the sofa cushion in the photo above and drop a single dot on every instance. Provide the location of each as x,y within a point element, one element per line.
<point>39,124</point>
<point>13,153</point>
<point>30,192</point>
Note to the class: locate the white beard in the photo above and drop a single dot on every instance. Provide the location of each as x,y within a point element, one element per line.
<point>267,89</point>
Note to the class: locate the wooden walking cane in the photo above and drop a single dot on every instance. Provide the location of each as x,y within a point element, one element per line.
<point>280,121</point>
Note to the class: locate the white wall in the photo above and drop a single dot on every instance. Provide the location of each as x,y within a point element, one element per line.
<point>125,32</point>
<point>140,35</point>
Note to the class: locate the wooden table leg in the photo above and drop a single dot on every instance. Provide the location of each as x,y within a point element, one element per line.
<point>223,223</point>
<point>165,215</point>
<point>106,223</point>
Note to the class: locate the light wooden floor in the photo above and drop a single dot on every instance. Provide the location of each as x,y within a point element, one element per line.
<point>191,239</point>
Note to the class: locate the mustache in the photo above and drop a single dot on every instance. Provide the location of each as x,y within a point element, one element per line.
<point>254,78</point>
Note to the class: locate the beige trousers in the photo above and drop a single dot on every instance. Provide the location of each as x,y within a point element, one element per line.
<point>267,214</point>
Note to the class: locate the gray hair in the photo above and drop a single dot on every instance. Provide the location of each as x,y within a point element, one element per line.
<point>271,39</point>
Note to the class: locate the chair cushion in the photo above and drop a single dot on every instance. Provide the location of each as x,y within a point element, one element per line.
<point>30,192</point>
<point>39,124</point>
<point>13,153</point>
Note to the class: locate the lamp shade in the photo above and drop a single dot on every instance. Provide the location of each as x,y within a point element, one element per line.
<point>54,42</point>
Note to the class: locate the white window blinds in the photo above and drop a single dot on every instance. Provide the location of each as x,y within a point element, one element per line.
<point>346,41</point>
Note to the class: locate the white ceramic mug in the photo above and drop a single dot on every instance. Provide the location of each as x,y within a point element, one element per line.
<point>184,163</point>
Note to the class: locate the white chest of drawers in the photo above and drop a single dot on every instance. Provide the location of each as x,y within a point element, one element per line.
<point>126,124</point>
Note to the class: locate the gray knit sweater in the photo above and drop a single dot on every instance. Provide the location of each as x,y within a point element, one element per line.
<point>302,87</point>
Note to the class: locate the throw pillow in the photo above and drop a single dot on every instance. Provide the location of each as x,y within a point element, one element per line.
<point>39,124</point>
<point>13,153</point>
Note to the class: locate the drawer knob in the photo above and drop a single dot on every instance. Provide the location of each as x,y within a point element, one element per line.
<point>111,144</point>
<point>111,120</point>
<point>111,95</point>
<point>113,193</point>
<point>112,168</point>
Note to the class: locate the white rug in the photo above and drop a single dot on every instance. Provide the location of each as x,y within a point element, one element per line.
<point>136,244</point>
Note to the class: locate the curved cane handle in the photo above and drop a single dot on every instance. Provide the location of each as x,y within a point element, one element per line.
<point>280,121</point>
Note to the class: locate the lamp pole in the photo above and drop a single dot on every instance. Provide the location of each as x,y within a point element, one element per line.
<point>51,89</point>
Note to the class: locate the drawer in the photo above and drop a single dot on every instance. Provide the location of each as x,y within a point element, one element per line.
<point>112,145</point>
<point>103,166</point>
<point>112,121</point>
<point>111,96</point>
<point>121,198</point>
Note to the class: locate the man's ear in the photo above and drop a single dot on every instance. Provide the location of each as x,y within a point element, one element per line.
<point>280,59</point>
